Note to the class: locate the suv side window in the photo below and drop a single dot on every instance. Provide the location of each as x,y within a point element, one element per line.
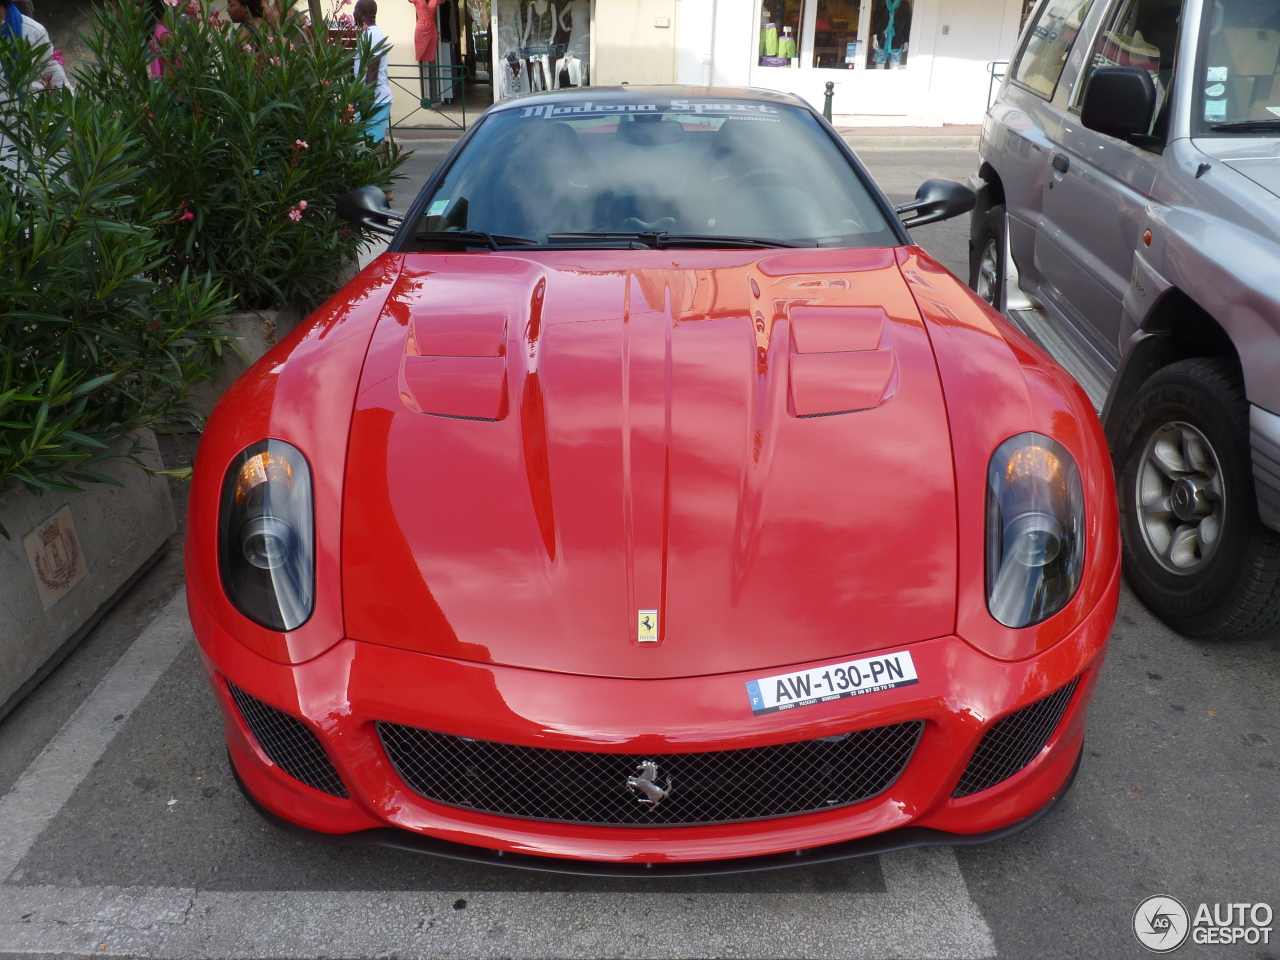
<point>1142,33</point>
<point>1048,43</point>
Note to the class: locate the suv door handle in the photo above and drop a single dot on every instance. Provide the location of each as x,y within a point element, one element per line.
<point>1061,162</point>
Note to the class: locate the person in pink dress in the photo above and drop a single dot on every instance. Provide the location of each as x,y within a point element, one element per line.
<point>425,38</point>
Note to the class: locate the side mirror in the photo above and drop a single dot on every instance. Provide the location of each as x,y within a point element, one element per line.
<point>1119,101</point>
<point>937,200</point>
<point>367,207</point>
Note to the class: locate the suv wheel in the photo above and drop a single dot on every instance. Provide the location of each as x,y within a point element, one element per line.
<point>986,258</point>
<point>1194,549</point>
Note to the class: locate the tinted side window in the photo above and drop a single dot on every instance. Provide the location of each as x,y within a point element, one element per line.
<point>1048,44</point>
<point>1142,33</point>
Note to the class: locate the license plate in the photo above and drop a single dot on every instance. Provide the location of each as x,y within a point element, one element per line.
<point>853,679</point>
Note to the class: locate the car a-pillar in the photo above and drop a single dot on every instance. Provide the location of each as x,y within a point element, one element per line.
<point>1196,550</point>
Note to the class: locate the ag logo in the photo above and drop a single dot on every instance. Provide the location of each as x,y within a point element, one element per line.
<point>1161,924</point>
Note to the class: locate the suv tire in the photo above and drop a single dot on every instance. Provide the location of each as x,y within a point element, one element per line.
<point>987,257</point>
<point>1195,551</point>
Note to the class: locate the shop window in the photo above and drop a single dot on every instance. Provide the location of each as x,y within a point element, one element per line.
<point>542,45</point>
<point>890,34</point>
<point>1048,45</point>
<point>835,41</point>
<point>779,31</point>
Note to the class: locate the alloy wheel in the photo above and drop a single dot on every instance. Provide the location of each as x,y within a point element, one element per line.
<point>1180,499</point>
<point>989,273</point>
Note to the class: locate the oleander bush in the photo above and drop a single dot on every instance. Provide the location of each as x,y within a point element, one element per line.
<point>251,133</point>
<point>97,335</point>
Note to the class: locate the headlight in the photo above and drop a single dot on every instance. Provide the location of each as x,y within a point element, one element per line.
<point>266,542</point>
<point>1035,530</point>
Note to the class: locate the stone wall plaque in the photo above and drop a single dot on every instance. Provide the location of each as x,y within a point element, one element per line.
<point>56,558</point>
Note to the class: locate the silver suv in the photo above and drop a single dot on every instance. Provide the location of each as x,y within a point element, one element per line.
<point>1128,218</point>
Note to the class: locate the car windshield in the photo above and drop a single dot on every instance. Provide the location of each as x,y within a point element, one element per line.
<point>1238,89</point>
<point>653,171</point>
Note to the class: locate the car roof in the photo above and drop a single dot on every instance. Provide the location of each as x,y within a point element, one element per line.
<point>663,91</point>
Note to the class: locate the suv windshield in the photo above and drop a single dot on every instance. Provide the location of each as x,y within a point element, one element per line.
<point>653,171</point>
<point>1238,89</point>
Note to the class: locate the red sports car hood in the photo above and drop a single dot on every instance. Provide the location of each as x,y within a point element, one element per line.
<point>556,456</point>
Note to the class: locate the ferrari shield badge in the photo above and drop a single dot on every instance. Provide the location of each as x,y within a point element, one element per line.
<point>648,621</point>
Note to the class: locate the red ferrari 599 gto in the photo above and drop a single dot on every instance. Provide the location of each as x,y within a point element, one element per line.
<point>654,501</point>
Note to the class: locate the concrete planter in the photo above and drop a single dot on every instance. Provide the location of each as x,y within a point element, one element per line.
<point>70,556</point>
<point>257,331</point>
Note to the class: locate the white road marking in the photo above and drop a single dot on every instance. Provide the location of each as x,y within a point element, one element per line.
<point>53,776</point>
<point>926,911</point>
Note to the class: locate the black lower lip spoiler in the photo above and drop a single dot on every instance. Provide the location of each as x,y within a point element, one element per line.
<point>904,838</point>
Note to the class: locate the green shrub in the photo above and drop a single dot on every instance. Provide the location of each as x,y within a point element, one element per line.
<point>254,134</point>
<point>92,342</point>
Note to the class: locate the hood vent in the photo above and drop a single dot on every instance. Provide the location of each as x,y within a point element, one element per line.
<point>842,360</point>
<point>455,365</point>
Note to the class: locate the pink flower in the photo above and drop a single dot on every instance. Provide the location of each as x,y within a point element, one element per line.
<point>302,204</point>
<point>295,214</point>
<point>57,57</point>
<point>300,144</point>
<point>276,61</point>
<point>171,3</point>
<point>188,215</point>
<point>292,47</point>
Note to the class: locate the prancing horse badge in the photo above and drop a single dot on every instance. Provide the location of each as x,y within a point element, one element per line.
<point>648,626</point>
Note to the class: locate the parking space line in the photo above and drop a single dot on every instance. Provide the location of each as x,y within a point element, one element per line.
<point>926,911</point>
<point>48,782</point>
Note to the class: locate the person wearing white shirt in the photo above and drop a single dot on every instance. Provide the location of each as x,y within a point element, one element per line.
<point>13,23</point>
<point>366,16</point>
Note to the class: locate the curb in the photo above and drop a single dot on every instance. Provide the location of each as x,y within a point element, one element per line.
<point>862,143</point>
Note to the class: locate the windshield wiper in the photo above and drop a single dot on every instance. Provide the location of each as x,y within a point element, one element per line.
<point>1259,123</point>
<point>661,240</point>
<point>474,238</point>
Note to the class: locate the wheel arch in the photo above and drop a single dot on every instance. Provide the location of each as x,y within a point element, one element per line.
<point>1176,328</point>
<point>990,189</point>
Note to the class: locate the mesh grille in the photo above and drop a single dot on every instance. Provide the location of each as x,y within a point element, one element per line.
<point>290,745</point>
<point>1014,742</point>
<point>580,787</point>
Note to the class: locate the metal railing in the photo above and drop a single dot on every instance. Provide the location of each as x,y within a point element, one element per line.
<point>996,70</point>
<point>439,90</point>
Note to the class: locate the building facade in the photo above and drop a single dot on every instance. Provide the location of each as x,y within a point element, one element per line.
<point>891,61</point>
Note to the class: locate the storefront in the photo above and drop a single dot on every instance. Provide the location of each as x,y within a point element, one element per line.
<point>906,61</point>
<point>890,61</point>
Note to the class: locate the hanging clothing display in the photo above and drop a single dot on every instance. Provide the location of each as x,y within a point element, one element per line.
<point>426,38</point>
<point>541,45</point>
<point>780,22</point>
<point>769,40</point>
<point>541,24</point>
<point>890,34</point>
<point>787,44</point>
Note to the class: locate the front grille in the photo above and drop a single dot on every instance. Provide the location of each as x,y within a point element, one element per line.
<point>290,745</point>
<point>1014,742</point>
<point>579,787</point>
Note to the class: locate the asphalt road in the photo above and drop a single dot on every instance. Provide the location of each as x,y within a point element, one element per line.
<point>122,832</point>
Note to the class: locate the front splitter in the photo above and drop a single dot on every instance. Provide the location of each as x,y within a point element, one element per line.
<point>903,838</point>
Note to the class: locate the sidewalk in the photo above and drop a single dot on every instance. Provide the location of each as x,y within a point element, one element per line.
<point>950,137</point>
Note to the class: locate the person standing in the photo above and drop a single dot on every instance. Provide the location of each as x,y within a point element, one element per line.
<point>375,72</point>
<point>426,43</point>
<point>14,24</point>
